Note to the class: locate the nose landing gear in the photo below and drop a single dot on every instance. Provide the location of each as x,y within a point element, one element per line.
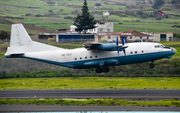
<point>151,65</point>
<point>102,69</point>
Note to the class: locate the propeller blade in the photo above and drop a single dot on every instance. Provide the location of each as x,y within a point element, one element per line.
<point>124,51</point>
<point>117,42</point>
<point>126,39</point>
<point>122,40</point>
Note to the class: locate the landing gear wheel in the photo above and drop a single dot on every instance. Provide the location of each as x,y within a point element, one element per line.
<point>105,69</point>
<point>98,70</point>
<point>151,66</point>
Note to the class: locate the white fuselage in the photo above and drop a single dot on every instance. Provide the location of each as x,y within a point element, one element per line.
<point>83,58</point>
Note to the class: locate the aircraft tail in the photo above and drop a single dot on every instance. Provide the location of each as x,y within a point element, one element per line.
<point>20,42</point>
<point>19,36</point>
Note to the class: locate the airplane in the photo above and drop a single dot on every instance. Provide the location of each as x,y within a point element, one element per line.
<point>93,55</point>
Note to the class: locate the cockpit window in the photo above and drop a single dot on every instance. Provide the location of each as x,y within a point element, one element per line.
<point>161,46</point>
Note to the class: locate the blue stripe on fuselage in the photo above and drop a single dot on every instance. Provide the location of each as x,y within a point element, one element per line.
<point>122,60</point>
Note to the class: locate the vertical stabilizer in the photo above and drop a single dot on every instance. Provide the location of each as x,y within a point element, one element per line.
<point>19,36</point>
<point>21,43</point>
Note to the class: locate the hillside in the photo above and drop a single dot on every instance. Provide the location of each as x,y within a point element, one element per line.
<point>54,14</point>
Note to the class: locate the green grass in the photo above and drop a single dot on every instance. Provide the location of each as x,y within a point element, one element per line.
<point>21,7</point>
<point>1,55</point>
<point>84,102</point>
<point>91,83</point>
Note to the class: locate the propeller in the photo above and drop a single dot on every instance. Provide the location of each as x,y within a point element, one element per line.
<point>124,40</point>
<point>117,43</point>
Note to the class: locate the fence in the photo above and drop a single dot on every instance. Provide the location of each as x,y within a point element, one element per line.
<point>175,39</point>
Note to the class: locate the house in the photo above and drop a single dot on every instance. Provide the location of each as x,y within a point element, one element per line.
<point>161,14</point>
<point>135,35</point>
<point>106,13</point>
<point>163,36</point>
<point>100,28</point>
<point>104,27</point>
<point>112,36</point>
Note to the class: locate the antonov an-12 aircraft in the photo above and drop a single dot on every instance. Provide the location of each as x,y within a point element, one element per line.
<point>92,55</point>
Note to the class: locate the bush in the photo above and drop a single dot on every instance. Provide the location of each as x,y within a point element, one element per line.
<point>158,18</point>
<point>38,15</point>
<point>97,4</point>
<point>4,35</point>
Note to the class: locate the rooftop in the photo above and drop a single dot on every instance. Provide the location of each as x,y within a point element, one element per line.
<point>137,33</point>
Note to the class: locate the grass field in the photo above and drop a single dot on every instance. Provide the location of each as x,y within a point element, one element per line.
<point>84,102</point>
<point>22,7</point>
<point>91,83</point>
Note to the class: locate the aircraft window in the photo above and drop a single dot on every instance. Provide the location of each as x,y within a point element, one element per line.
<point>131,52</point>
<point>96,56</point>
<point>159,46</point>
<point>156,46</point>
<point>142,51</point>
<point>90,56</point>
<point>85,57</point>
<point>75,58</point>
<point>80,57</point>
<point>162,46</point>
<point>136,52</point>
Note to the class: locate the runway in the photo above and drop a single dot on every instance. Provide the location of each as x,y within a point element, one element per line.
<point>129,94</point>
<point>55,108</point>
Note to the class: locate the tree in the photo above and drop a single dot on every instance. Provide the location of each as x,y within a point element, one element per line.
<point>139,13</point>
<point>85,20</point>
<point>158,4</point>
<point>4,35</point>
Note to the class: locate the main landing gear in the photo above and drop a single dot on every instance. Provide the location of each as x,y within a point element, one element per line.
<point>151,65</point>
<point>102,69</point>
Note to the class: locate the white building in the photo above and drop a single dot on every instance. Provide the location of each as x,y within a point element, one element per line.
<point>112,36</point>
<point>106,13</point>
<point>100,28</point>
<point>163,36</point>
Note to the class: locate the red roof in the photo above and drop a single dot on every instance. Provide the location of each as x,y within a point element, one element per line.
<point>136,33</point>
<point>161,14</point>
<point>17,23</point>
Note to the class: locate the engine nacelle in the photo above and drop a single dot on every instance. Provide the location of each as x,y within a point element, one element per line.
<point>107,47</point>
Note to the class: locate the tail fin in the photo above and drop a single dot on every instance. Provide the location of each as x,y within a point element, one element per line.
<point>20,42</point>
<point>19,36</point>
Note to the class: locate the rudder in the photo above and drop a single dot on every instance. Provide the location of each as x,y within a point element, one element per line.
<point>19,36</point>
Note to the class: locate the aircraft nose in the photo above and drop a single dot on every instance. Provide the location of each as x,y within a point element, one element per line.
<point>173,49</point>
